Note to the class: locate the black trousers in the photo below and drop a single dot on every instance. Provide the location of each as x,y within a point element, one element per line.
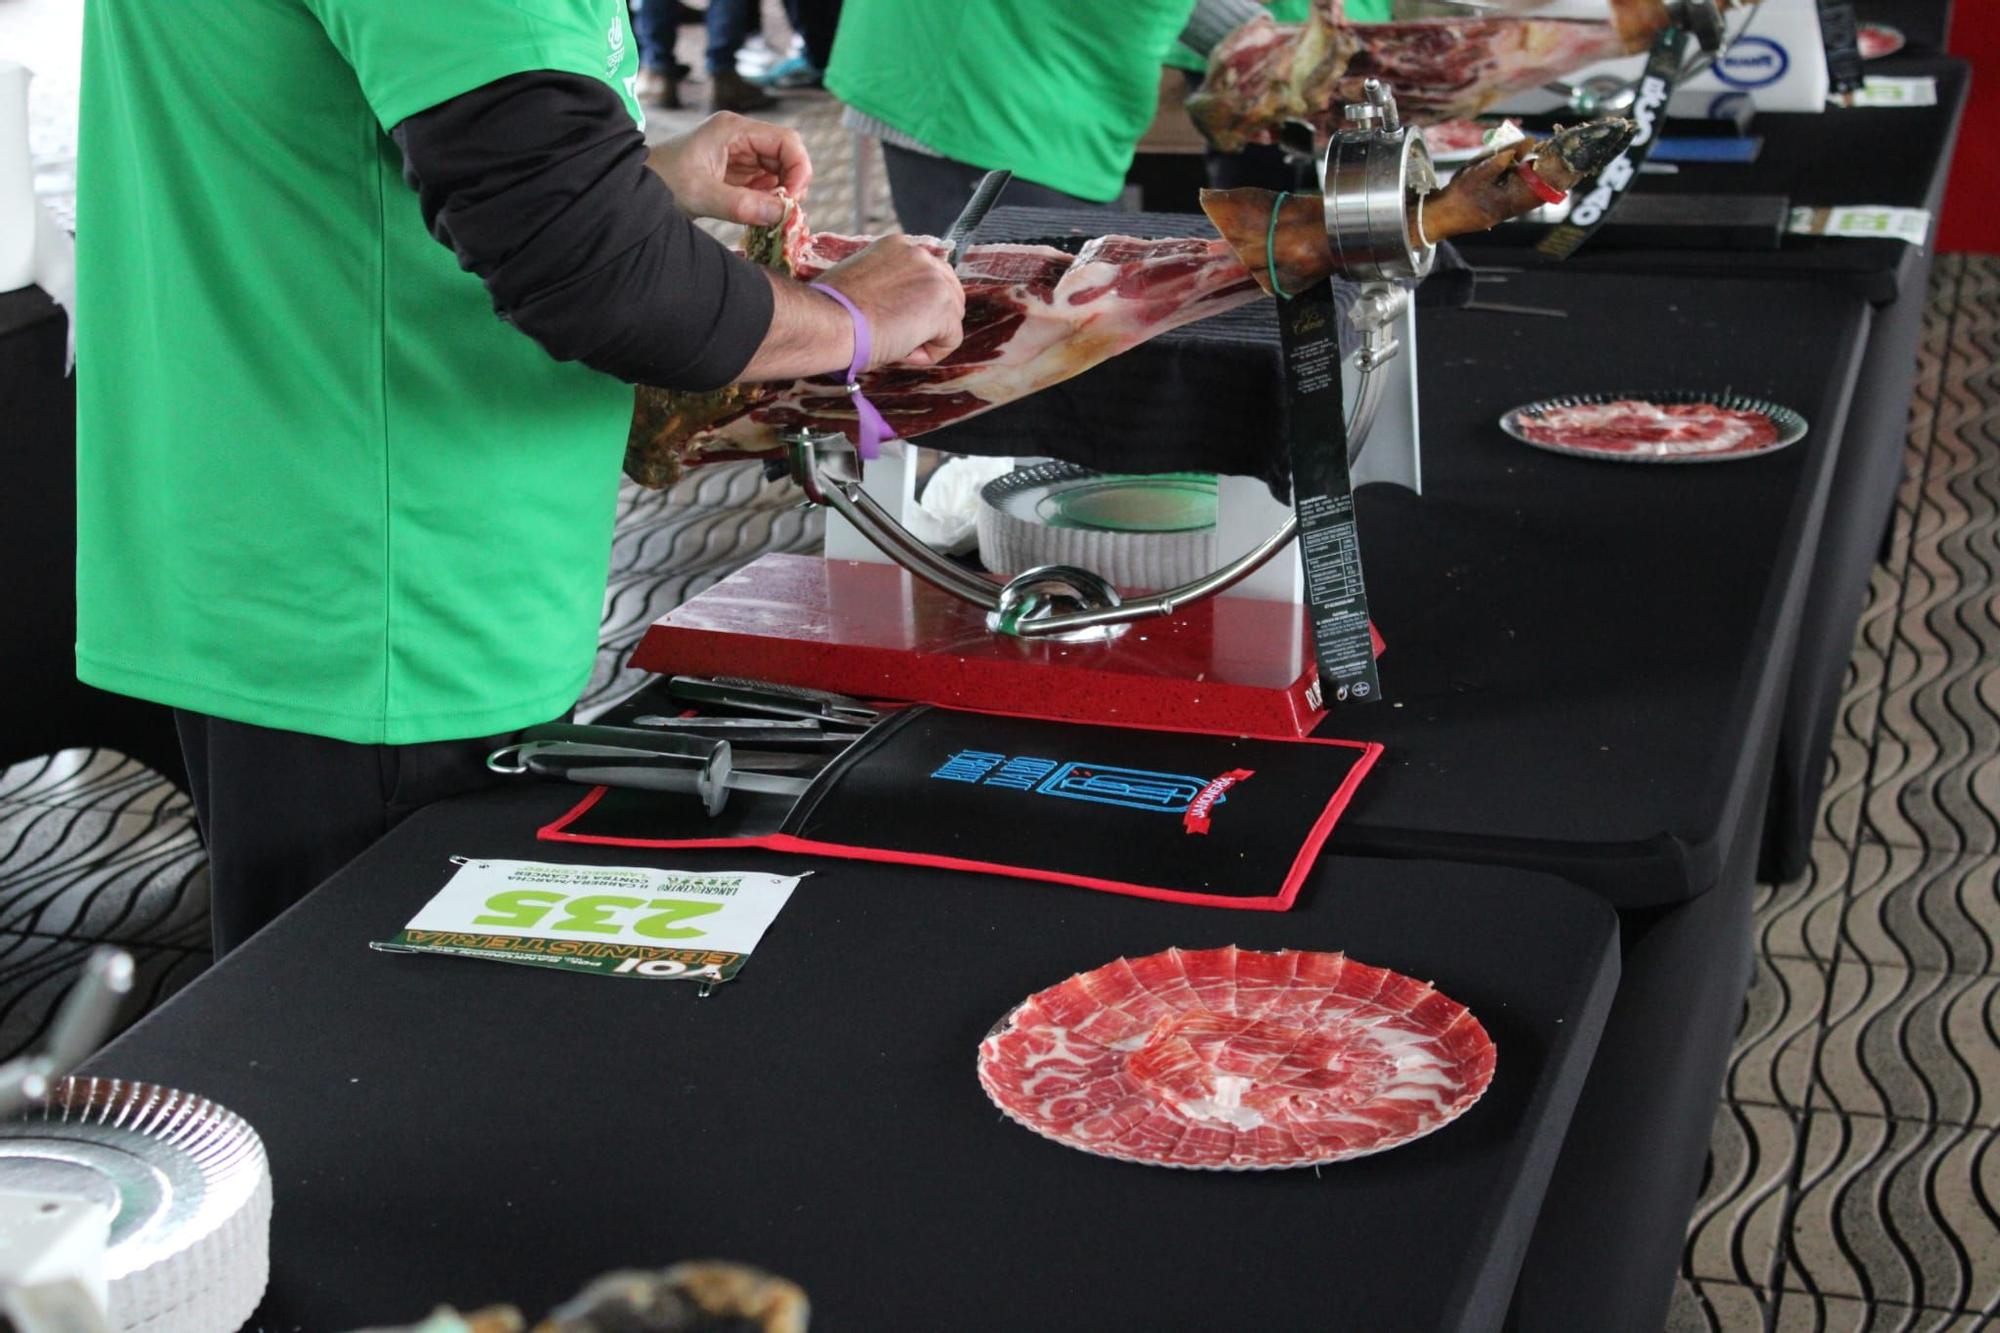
<point>815,21</point>
<point>281,811</point>
<point>929,191</point>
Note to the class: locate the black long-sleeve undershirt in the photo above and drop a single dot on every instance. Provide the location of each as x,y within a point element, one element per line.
<point>539,183</point>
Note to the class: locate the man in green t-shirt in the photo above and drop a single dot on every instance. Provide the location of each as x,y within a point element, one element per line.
<point>349,523</point>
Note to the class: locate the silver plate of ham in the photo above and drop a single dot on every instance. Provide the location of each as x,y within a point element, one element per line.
<point>1656,427</point>
<point>1236,1060</point>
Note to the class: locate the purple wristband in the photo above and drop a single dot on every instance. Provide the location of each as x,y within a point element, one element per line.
<point>872,429</point>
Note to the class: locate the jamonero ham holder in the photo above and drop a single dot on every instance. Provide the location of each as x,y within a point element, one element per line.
<point>1059,640</point>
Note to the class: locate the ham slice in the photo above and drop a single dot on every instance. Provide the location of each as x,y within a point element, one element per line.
<point>1266,73</point>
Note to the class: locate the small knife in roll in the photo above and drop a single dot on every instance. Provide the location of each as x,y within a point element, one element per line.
<point>710,780</point>
<point>984,195</point>
<point>770,752</point>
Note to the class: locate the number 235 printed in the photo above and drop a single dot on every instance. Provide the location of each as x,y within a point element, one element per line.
<point>596,914</point>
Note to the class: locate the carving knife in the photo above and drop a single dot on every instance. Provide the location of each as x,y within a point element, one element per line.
<point>984,195</point>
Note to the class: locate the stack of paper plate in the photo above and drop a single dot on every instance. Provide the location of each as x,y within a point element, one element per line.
<point>1138,532</point>
<point>187,1185</point>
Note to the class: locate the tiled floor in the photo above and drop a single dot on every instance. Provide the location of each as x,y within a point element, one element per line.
<point>1854,1180</point>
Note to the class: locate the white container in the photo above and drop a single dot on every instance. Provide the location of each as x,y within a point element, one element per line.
<point>17,181</point>
<point>1780,63</point>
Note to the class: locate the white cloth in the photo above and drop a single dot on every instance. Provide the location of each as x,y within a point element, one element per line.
<point>34,250</point>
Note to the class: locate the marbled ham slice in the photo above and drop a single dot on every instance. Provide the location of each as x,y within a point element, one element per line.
<point>1233,1059</point>
<point>1634,426</point>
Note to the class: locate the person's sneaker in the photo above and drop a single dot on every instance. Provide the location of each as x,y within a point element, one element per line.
<point>730,91</point>
<point>658,87</point>
<point>755,56</point>
<point>792,72</point>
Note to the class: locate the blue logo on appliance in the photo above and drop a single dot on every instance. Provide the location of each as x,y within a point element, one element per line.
<point>1752,62</point>
<point>1102,784</point>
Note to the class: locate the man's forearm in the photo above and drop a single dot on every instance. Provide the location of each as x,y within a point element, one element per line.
<point>539,183</point>
<point>810,334</point>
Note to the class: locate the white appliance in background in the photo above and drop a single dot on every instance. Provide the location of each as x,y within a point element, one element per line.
<point>18,208</point>
<point>1775,56</point>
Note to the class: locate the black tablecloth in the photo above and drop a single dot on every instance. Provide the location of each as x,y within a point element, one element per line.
<point>1840,156</point>
<point>1585,659</point>
<point>462,1131</point>
<point>1896,157</point>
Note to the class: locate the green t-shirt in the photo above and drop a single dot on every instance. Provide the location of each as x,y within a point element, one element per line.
<point>1057,91</point>
<point>321,486</point>
<point>1286,11</point>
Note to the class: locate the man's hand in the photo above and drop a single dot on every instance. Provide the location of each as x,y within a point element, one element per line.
<point>914,303</point>
<point>727,167</point>
<point>911,298</point>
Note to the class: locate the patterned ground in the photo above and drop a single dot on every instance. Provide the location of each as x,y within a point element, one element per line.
<point>1854,1179</point>
<point>1854,1174</point>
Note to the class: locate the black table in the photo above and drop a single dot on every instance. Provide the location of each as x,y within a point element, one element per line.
<point>1841,156</point>
<point>1591,661</point>
<point>1924,23</point>
<point>1585,660</point>
<point>45,707</point>
<point>1895,157</point>
<point>461,1131</point>
<point>1586,672</point>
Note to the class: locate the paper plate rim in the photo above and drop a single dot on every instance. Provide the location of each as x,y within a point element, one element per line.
<point>1791,424</point>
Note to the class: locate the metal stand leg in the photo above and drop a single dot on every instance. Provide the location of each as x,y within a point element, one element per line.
<point>1245,514</point>
<point>891,481</point>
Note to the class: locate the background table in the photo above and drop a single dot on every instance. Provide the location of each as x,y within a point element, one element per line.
<point>1591,660</point>
<point>443,1129</point>
<point>1897,157</point>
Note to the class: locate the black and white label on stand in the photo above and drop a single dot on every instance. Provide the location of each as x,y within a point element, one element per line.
<point>1323,495</point>
<point>1649,110</point>
<point>1841,32</point>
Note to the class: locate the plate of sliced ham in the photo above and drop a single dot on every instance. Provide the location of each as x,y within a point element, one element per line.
<point>1236,1060</point>
<point>1656,428</point>
<point>1876,40</point>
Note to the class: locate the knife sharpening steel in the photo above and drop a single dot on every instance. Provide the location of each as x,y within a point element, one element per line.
<point>881,616</point>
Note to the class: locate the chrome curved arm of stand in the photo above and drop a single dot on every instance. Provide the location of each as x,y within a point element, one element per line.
<point>1378,347</point>
<point>826,469</point>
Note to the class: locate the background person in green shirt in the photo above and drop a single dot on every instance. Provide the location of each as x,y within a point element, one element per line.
<point>349,524</point>
<point>1057,91</point>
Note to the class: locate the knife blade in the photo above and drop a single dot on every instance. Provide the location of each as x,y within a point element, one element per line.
<point>766,700</point>
<point>619,748</point>
<point>984,195</point>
